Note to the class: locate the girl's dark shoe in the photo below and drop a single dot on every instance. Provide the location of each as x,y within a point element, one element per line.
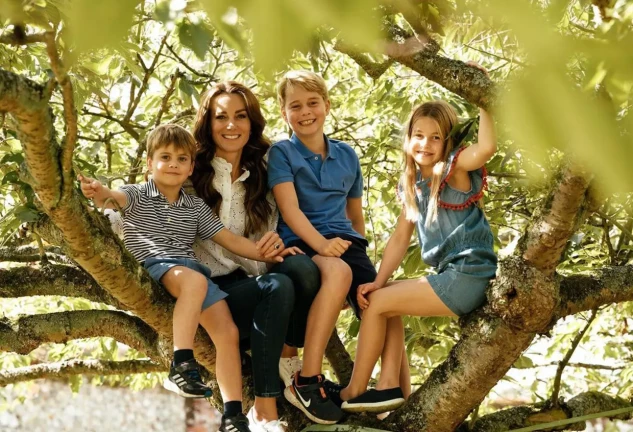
<point>376,401</point>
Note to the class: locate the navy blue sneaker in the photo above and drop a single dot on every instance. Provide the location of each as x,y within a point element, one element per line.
<point>238,423</point>
<point>376,401</point>
<point>184,379</point>
<point>313,400</point>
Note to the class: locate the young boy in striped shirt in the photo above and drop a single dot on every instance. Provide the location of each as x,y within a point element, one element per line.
<point>160,224</point>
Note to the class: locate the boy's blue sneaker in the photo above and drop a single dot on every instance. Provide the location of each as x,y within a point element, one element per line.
<point>237,423</point>
<point>184,379</point>
<point>314,401</point>
<point>376,401</point>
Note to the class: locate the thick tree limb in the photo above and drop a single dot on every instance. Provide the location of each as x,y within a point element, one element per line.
<point>339,358</point>
<point>70,112</point>
<point>31,254</point>
<point>12,39</point>
<point>78,367</point>
<point>372,68</point>
<point>29,332</point>
<point>27,101</point>
<point>607,285</point>
<point>60,280</point>
<point>561,214</point>
<point>523,416</point>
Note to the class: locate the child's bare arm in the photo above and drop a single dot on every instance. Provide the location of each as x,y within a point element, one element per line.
<point>286,197</point>
<point>395,250</point>
<point>476,155</point>
<point>242,246</point>
<point>99,193</point>
<point>392,258</point>
<point>354,210</point>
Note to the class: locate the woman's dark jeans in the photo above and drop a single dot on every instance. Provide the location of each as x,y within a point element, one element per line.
<point>266,308</point>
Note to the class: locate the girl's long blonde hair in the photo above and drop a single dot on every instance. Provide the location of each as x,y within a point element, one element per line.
<point>446,118</point>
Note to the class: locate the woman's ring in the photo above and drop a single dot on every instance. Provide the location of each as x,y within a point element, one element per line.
<point>277,246</point>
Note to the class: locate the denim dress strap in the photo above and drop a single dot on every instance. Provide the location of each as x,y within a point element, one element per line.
<point>478,182</point>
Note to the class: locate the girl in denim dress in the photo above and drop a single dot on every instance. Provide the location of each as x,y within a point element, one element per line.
<point>441,189</point>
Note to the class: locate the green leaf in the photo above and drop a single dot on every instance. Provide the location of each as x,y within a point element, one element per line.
<point>96,24</point>
<point>196,37</point>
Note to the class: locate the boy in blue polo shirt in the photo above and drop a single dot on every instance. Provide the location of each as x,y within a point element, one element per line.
<point>318,186</point>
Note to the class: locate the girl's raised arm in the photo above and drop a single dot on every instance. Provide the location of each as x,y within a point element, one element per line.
<point>476,155</point>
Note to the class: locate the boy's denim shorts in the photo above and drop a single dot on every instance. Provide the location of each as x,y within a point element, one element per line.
<point>157,267</point>
<point>462,284</point>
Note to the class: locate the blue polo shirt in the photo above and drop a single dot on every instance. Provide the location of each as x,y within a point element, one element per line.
<point>322,185</point>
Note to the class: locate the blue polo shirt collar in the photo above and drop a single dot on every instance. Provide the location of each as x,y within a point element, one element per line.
<point>184,200</point>
<point>332,148</point>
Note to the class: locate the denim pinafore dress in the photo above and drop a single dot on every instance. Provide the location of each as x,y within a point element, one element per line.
<point>459,243</point>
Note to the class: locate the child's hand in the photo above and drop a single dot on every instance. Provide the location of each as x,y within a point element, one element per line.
<point>291,251</point>
<point>90,187</point>
<point>270,245</point>
<point>363,291</point>
<point>478,66</point>
<point>334,247</point>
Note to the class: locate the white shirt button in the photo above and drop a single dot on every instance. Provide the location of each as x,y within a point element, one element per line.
<point>316,158</point>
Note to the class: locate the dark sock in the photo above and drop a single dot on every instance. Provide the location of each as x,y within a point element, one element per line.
<point>182,355</point>
<point>301,380</point>
<point>232,408</point>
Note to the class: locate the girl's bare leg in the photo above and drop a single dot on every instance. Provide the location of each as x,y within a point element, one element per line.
<point>411,297</point>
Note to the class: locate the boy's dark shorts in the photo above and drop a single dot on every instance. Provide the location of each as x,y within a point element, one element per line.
<point>355,257</point>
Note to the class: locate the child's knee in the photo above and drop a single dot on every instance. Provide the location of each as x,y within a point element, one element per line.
<point>334,269</point>
<point>197,284</point>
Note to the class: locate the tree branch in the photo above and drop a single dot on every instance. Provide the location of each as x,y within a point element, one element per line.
<point>27,101</point>
<point>186,65</point>
<point>78,367</point>
<point>12,39</point>
<point>548,233</point>
<point>138,160</point>
<point>29,332</point>
<point>70,112</point>
<point>523,416</point>
<point>59,280</point>
<point>148,73</point>
<point>607,285</point>
<point>372,68</point>
<point>32,254</point>
<point>339,358</point>
<point>561,366</point>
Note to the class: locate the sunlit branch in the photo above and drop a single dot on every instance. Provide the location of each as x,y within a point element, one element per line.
<point>29,332</point>
<point>78,367</point>
<point>52,280</point>
<point>565,360</point>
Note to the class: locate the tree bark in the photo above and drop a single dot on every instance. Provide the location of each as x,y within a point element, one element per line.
<point>78,367</point>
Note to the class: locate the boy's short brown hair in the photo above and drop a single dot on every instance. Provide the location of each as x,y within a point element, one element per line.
<point>167,134</point>
<point>310,81</point>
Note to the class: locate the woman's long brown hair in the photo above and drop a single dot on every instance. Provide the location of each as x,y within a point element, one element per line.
<point>258,209</point>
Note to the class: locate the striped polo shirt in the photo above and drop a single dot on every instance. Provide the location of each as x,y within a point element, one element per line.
<point>153,228</point>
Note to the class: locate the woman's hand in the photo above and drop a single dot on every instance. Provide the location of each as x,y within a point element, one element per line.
<point>363,291</point>
<point>270,245</point>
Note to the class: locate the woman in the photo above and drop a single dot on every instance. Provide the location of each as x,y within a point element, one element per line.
<point>230,175</point>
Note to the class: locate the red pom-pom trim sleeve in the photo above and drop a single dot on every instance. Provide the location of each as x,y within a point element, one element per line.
<point>473,198</point>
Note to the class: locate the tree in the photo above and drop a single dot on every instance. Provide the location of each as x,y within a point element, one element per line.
<point>81,83</point>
